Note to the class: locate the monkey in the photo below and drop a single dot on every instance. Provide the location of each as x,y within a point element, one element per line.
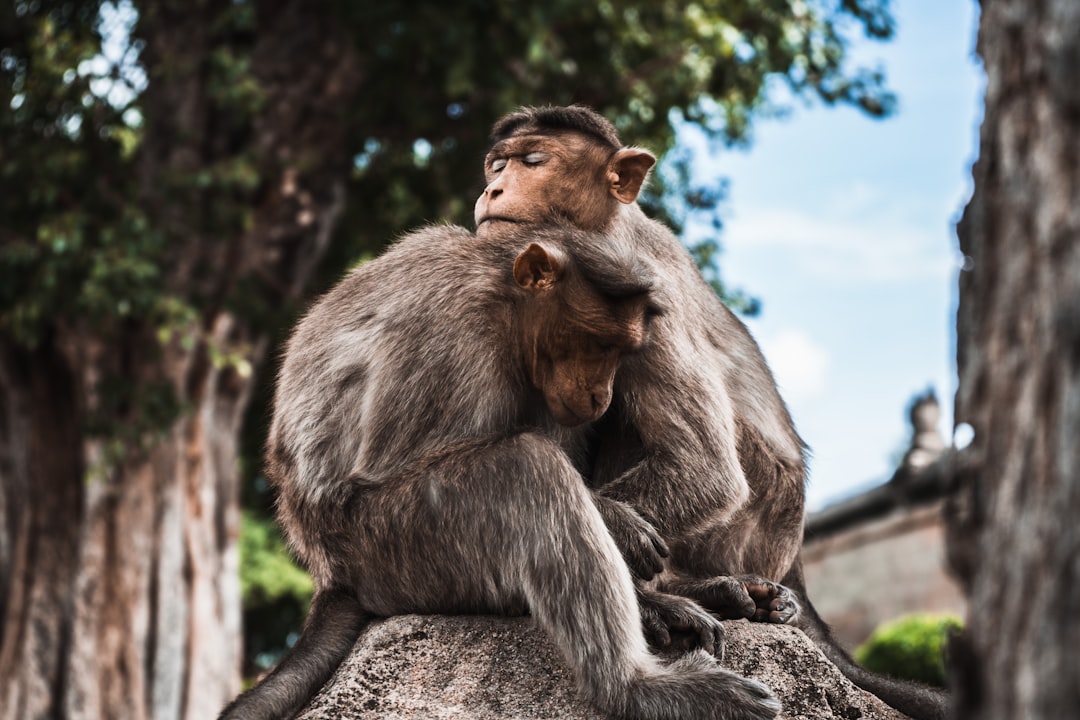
<point>697,439</point>
<point>443,395</point>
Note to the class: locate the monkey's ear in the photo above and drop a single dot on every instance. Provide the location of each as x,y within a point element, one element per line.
<point>627,171</point>
<point>537,268</point>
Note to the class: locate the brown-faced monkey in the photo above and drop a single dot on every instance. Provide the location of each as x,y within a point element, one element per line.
<point>697,438</point>
<point>434,400</point>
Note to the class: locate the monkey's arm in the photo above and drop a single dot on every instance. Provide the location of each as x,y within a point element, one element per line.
<point>684,470</point>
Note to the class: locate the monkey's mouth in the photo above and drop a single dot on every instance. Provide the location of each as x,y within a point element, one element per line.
<point>498,218</point>
<point>568,416</point>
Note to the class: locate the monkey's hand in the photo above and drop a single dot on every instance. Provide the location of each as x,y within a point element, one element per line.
<point>742,596</point>
<point>677,623</point>
<point>638,541</point>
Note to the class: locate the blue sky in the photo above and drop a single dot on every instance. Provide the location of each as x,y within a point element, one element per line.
<point>843,226</point>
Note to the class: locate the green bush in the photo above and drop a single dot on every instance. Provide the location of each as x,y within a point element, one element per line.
<point>911,647</point>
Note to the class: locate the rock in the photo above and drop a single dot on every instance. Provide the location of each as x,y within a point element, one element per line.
<point>493,668</point>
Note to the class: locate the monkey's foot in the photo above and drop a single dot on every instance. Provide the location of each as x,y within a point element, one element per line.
<point>773,602</point>
<point>677,623</point>
<point>742,596</point>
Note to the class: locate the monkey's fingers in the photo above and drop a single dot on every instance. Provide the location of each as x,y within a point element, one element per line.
<point>642,547</point>
<point>656,630</point>
<point>652,547</point>
<point>728,597</point>
<point>709,631</point>
<point>774,603</point>
<point>665,616</point>
<point>706,636</point>
<point>642,555</point>
<point>658,542</point>
<point>784,609</point>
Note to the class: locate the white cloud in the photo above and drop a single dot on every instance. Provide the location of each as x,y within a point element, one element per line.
<point>847,242</point>
<point>799,363</point>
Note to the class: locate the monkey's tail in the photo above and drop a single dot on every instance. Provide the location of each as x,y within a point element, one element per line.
<point>331,629</point>
<point>916,700</point>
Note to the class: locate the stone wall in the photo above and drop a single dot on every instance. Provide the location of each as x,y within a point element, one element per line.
<point>880,569</point>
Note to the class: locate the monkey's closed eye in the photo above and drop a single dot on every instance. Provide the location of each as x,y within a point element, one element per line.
<point>536,158</point>
<point>497,164</point>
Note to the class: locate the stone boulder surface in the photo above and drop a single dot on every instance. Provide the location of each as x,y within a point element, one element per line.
<point>495,668</point>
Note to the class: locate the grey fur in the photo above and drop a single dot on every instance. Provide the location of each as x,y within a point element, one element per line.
<point>418,470</point>
<point>698,429</point>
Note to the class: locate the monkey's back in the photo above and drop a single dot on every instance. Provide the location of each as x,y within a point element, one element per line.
<point>718,335</point>
<point>387,360</point>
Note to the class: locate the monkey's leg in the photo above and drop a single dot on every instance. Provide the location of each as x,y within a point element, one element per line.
<point>670,622</point>
<point>703,572</point>
<point>510,522</point>
<point>735,567</point>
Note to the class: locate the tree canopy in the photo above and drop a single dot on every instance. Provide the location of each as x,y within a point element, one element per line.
<point>427,79</point>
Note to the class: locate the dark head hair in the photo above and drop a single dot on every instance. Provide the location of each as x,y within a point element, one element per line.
<point>610,266</point>
<point>613,271</point>
<point>577,118</point>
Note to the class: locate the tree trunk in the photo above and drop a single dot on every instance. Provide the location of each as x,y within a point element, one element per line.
<point>41,495</point>
<point>1013,536</point>
<point>119,586</point>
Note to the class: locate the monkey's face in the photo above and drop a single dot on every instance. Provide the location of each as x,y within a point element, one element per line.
<point>575,372</point>
<point>557,178</point>
<point>574,335</point>
<point>577,347</point>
